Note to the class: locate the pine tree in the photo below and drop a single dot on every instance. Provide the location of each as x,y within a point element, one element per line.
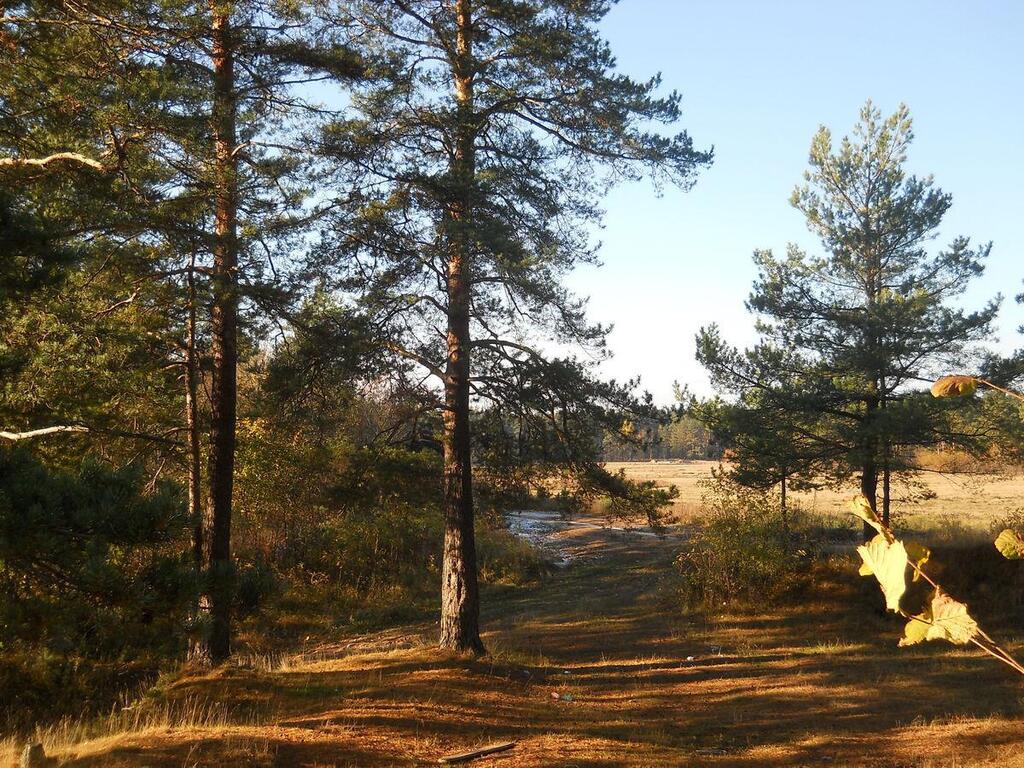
<point>467,176</point>
<point>72,175</point>
<point>845,335</point>
<point>178,180</point>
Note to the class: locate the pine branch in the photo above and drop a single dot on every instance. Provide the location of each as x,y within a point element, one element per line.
<point>16,436</point>
<point>59,157</point>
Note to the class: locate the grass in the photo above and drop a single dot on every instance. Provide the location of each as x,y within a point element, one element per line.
<point>963,504</point>
<point>815,682</point>
<point>142,719</point>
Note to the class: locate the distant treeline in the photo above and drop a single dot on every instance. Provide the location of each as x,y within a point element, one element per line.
<point>684,437</point>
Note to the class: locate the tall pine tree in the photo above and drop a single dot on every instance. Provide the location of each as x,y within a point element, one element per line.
<point>468,177</point>
<point>184,180</point>
<point>846,335</point>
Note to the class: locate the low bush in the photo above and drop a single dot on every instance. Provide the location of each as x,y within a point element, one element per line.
<point>744,548</point>
<point>365,549</point>
<point>255,583</point>
<point>358,546</point>
<point>95,584</point>
<point>505,558</point>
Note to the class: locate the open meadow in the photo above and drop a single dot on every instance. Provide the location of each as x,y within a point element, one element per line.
<point>962,505</point>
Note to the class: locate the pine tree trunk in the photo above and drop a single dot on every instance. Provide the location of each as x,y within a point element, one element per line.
<point>869,464</point>
<point>460,601</point>
<point>195,512</point>
<point>869,487</point>
<point>886,479</point>
<point>781,500</point>
<point>192,415</point>
<point>869,469</point>
<point>216,536</point>
<point>785,514</point>
<point>886,453</point>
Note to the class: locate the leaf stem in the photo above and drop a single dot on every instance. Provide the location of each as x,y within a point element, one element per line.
<point>997,388</point>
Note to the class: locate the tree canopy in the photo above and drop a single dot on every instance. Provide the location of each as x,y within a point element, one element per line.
<point>846,335</point>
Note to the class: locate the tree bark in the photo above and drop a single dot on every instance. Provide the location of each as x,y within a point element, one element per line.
<point>886,479</point>
<point>886,451</point>
<point>869,467</point>
<point>460,601</point>
<point>869,461</point>
<point>216,596</point>
<point>869,475</point>
<point>195,512</point>
<point>192,417</point>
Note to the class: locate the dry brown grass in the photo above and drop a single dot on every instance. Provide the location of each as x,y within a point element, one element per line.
<point>819,682</point>
<point>968,501</point>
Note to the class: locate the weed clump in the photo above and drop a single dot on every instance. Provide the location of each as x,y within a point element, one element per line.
<point>746,549</point>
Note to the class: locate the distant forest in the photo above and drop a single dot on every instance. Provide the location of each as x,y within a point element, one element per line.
<point>684,437</point>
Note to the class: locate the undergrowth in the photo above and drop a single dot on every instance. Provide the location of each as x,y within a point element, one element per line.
<point>746,550</point>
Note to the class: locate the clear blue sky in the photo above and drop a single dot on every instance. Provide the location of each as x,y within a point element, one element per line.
<point>757,80</point>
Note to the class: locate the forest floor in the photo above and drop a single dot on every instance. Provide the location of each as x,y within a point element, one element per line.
<point>599,666</point>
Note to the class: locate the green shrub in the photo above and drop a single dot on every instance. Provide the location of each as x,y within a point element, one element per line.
<point>333,536</point>
<point>393,544</point>
<point>95,582</point>
<point>255,583</point>
<point>505,558</point>
<point>744,549</point>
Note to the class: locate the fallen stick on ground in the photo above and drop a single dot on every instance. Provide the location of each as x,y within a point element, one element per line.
<point>465,757</point>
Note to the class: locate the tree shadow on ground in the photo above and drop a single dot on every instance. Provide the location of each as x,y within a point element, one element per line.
<point>594,667</point>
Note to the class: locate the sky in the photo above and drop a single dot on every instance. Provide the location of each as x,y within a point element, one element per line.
<point>757,79</point>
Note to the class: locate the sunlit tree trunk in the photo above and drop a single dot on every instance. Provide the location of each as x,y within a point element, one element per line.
<point>215,600</point>
<point>460,603</point>
<point>195,510</point>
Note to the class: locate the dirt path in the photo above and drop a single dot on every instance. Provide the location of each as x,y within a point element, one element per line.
<point>596,667</point>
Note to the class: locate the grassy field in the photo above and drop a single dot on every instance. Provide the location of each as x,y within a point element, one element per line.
<point>962,505</point>
<point>598,666</point>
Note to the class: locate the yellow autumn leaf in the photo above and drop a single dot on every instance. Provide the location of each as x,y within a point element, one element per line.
<point>954,386</point>
<point>944,619</point>
<point>861,507</point>
<point>917,629</point>
<point>1010,544</point>
<point>888,563</point>
<point>918,555</point>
